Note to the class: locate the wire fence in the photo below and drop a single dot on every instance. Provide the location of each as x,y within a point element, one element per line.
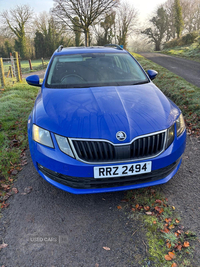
<point>13,68</point>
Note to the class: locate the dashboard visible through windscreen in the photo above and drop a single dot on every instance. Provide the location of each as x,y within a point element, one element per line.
<point>94,69</point>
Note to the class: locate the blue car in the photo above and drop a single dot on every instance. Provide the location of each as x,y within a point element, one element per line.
<point>99,123</point>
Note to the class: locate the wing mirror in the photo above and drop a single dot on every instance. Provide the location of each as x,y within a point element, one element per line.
<point>152,74</point>
<point>33,80</point>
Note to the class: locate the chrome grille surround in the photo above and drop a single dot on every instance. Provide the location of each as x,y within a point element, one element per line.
<point>95,148</point>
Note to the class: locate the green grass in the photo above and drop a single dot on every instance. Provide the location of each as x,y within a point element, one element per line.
<point>16,102</point>
<point>188,51</point>
<point>36,65</point>
<point>181,92</point>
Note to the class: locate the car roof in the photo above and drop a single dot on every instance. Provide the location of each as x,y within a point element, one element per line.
<point>89,49</point>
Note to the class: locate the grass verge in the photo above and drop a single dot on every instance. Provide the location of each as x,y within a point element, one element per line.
<point>16,102</point>
<point>187,51</point>
<point>181,92</point>
<point>169,244</point>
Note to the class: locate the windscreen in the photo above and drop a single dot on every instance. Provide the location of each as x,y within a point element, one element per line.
<point>94,69</point>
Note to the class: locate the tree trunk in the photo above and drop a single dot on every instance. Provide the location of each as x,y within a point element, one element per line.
<point>157,46</point>
<point>86,32</point>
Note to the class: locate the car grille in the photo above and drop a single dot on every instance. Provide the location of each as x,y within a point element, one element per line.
<point>104,151</point>
<point>90,182</point>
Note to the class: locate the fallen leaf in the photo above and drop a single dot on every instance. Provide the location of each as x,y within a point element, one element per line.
<point>186,244</point>
<point>3,245</point>
<point>106,248</point>
<point>161,210</point>
<point>27,190</point>
<point>165,230</point>
<point>154,222</point>
<point>5,186</point>
<point>133,209</point>
<point>146,208</point>
<point>4,205</point>
<point>179,247</point>
<point>176,234</point>
<point>119,207</point>
<point>168,220</point>
<point>168,258</point>
<point>137,206</point>
<point>159,201</point>
<point>14,189</point>
<point>168,245</point>
<point>172,255</point>
<point>157,208</point>
<point>171,226</point>
<point>174,265</point>
<point>177,221</point>
<point>173,207</point>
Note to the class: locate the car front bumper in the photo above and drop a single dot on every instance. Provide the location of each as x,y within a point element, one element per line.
<point>77,177</point>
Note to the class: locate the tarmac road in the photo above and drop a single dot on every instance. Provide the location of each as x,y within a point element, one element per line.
<point>188,69</point>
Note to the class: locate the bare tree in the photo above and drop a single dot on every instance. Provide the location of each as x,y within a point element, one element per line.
<point>105,30</point>
<point>15,20</point>
<point>88,11</point>
<point>191,15</point>
<point>126,21</point>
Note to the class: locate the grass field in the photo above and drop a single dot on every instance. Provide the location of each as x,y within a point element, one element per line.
<point>36,65</point>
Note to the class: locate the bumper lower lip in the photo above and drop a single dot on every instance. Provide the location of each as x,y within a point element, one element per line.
<point>161,177</point>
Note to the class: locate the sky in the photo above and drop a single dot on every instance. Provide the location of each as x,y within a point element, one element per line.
<point>144,7</point>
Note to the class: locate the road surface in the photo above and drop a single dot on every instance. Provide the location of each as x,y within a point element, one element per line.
<point>188,69</point>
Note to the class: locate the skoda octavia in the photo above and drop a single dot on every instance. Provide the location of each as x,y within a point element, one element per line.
<point>99,124</point>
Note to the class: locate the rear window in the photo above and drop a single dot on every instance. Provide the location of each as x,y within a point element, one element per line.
<point>90,70</point>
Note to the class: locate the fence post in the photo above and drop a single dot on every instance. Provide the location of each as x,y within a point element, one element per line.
<point>42,62</point>
<point>2,77</point>
<point>20,68</point>
<point>18,76</point>
<point>30,65</point>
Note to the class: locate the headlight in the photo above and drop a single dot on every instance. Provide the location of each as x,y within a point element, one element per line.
<point>42,136</point>
<point>64,145</point>
<point>170,136</point>
<point>180,125</point>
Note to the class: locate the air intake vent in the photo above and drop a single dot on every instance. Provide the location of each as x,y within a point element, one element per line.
<point>104,151</point>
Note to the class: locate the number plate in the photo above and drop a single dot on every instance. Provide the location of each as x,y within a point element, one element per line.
<point>122,170</point>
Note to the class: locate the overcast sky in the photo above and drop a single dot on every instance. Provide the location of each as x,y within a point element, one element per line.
<point>144,7</point>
